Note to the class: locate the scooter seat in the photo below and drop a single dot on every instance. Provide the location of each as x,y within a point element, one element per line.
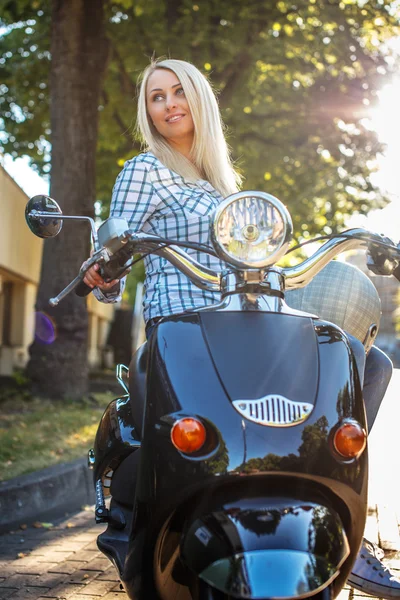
<point>137,386</point>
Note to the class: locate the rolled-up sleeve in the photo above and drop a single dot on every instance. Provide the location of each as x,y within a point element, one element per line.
<point>135,199</point>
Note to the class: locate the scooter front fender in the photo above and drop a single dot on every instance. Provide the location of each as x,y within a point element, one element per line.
<point>278,547</point>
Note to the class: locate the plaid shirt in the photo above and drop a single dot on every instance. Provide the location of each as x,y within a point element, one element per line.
<point>155,200</point>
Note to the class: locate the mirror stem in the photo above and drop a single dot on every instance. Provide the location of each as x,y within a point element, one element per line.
<point>37,214</point>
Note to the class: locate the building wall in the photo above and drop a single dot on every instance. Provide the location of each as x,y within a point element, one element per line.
<point>100,317</point>
<point>20,263</point>
<point>20,250</point>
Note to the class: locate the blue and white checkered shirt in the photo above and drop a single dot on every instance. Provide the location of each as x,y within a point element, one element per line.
<point>155,200</point>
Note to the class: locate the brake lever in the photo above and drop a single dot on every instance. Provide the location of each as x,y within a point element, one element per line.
<point>83,290</point>
<point>381,260</point>
<point>99,257</point>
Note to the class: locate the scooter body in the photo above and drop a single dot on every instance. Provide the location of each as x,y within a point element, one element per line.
<point>269,505</point>
<point>267,508</point>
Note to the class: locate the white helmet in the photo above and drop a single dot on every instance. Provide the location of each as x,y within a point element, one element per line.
<point>343,295</point>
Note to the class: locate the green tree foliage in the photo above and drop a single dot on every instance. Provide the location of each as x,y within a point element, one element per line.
<point>24,85</point>
<point>296,82</point>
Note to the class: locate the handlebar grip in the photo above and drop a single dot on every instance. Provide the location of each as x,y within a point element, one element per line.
<point>82,289</point>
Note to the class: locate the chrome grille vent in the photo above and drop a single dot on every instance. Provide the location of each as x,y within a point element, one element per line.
<point>274,410</point>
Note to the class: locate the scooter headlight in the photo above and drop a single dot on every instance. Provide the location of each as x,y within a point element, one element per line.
<point>251,230</point>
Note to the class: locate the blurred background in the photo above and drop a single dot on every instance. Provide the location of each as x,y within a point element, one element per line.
<point>309,91</point>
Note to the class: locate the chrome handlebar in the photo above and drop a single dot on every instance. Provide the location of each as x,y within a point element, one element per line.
<point>201,276</point>
<point>295,277</point>
<point>100,256</point>
<point>210,280</point>
<point>301,274</point>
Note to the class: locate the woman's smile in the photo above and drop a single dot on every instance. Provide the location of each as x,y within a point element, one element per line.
<point>174,118</point>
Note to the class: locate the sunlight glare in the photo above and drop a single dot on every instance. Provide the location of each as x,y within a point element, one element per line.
<point>385,120</point>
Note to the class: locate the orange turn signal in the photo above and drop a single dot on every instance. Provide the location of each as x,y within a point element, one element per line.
<point>188,435</point>
<point>350,439</point>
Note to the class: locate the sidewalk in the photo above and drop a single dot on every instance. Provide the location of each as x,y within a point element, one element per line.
<point>63,562</point>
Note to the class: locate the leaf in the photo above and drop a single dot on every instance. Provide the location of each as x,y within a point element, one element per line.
<point>40,525</point>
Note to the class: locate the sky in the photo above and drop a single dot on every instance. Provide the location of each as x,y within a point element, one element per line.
<point>386,121</point>
<point>26,177</point>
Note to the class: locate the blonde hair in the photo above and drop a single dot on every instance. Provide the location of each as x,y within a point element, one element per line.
<point>210,152</point>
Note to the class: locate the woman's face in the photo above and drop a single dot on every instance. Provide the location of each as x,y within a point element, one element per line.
<point>168,109</point>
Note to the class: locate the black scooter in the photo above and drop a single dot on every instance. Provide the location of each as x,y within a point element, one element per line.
<point>236,458</point>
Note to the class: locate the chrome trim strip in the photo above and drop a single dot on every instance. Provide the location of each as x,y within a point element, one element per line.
<point>274,410</point>
<point>119,374</point>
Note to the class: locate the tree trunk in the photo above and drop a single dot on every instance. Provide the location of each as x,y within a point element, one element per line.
<point>79,51</point>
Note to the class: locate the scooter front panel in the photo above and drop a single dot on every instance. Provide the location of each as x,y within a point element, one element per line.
<point>185,379</point>
<point>195,372</point>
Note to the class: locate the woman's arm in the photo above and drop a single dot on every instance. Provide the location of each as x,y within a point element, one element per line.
<point>135,199</point>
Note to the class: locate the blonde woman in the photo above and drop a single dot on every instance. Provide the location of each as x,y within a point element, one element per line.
<point>171,190</point>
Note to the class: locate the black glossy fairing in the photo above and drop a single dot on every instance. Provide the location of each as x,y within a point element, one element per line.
<point>115,440</point>
<point>199,364</point>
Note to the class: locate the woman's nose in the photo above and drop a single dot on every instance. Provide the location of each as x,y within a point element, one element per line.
<point>171,102</point>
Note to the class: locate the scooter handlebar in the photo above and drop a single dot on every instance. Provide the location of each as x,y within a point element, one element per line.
<point>82,289</point>
<point>67,290</point>
<point>301,274</point>
<point>204,278</point>
<point>77,284</point>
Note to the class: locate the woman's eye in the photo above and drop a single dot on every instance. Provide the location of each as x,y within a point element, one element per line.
<point>180,92</point>
<point>157,97</point>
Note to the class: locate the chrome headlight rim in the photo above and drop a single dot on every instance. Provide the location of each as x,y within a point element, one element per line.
<point>275,256</point>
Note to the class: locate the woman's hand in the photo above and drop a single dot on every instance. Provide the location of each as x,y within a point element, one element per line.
<point>94,279</point>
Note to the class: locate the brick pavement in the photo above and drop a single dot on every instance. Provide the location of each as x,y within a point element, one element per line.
<point>63,562</point>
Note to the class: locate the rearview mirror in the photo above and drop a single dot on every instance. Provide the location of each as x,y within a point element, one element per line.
<point>39,213</point>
